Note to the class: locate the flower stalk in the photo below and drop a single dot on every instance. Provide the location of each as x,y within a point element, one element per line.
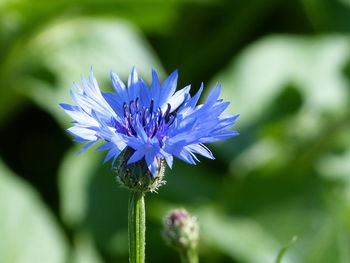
<point>189,255</point>
<point>181,231</point>
<point>136,227</point>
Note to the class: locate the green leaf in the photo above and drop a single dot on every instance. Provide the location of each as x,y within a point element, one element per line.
<point>330,15</point>
<point>20,24</point>
<point>242,239</point>
<point>336,166</point>
<point>67,49</point>
<point>84,249</point>
<point>93,201</point>
<point>311,64</point>
<point>286,88</point>
<point>28,231</point>
<point>75,173</point>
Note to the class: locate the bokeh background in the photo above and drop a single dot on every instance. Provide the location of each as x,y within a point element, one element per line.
<point>283,64</point>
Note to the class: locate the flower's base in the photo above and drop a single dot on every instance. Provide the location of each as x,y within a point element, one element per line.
<point>136,176</point>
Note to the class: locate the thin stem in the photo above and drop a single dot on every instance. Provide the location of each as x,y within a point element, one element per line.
<point>188,255</point>
<point>137,227</point>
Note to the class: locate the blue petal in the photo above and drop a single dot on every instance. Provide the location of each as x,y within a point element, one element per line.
<point>155,87</point>
<point>169,160</point>
<point>200,149</point>
<point>87,146</point>
<point>193,101</point>
<point>110,154</point>
<point>114,102</point>
<point>168,88</point>
<point>152,163</point>
<point>118,141</point>
<point>212,97</point>
<point>83,132</point>
<point>145,94</point>
<point>167,156</point>
<point>69,107</point>
<point>119,88</point>
<point>133,77</point>
<point>133,85</point>
<point>106,146</point>
<point>185,156</point>
<point>177,99</point>
<point>137,156</point>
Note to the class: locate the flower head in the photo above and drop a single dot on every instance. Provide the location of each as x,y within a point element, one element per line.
<point>154,121</point>
<point>181,230</point>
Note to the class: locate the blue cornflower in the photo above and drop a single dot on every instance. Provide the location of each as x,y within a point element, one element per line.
<point>155,122</point>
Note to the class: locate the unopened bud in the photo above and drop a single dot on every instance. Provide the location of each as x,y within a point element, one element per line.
<point>181,230</point>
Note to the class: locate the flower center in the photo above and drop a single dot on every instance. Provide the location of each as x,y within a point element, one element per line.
<point>154,122</point>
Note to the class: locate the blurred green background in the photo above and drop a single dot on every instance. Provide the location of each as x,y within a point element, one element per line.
<point>285,67</point>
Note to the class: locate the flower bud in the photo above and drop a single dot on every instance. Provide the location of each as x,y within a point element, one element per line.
<point>136,176</point>
<point>181,230</point>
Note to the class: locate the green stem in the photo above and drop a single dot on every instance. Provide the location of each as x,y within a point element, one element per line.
<point>188,255</point>
<point>137,227</point>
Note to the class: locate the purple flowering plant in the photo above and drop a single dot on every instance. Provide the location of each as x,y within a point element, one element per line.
<point>146,126</point>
